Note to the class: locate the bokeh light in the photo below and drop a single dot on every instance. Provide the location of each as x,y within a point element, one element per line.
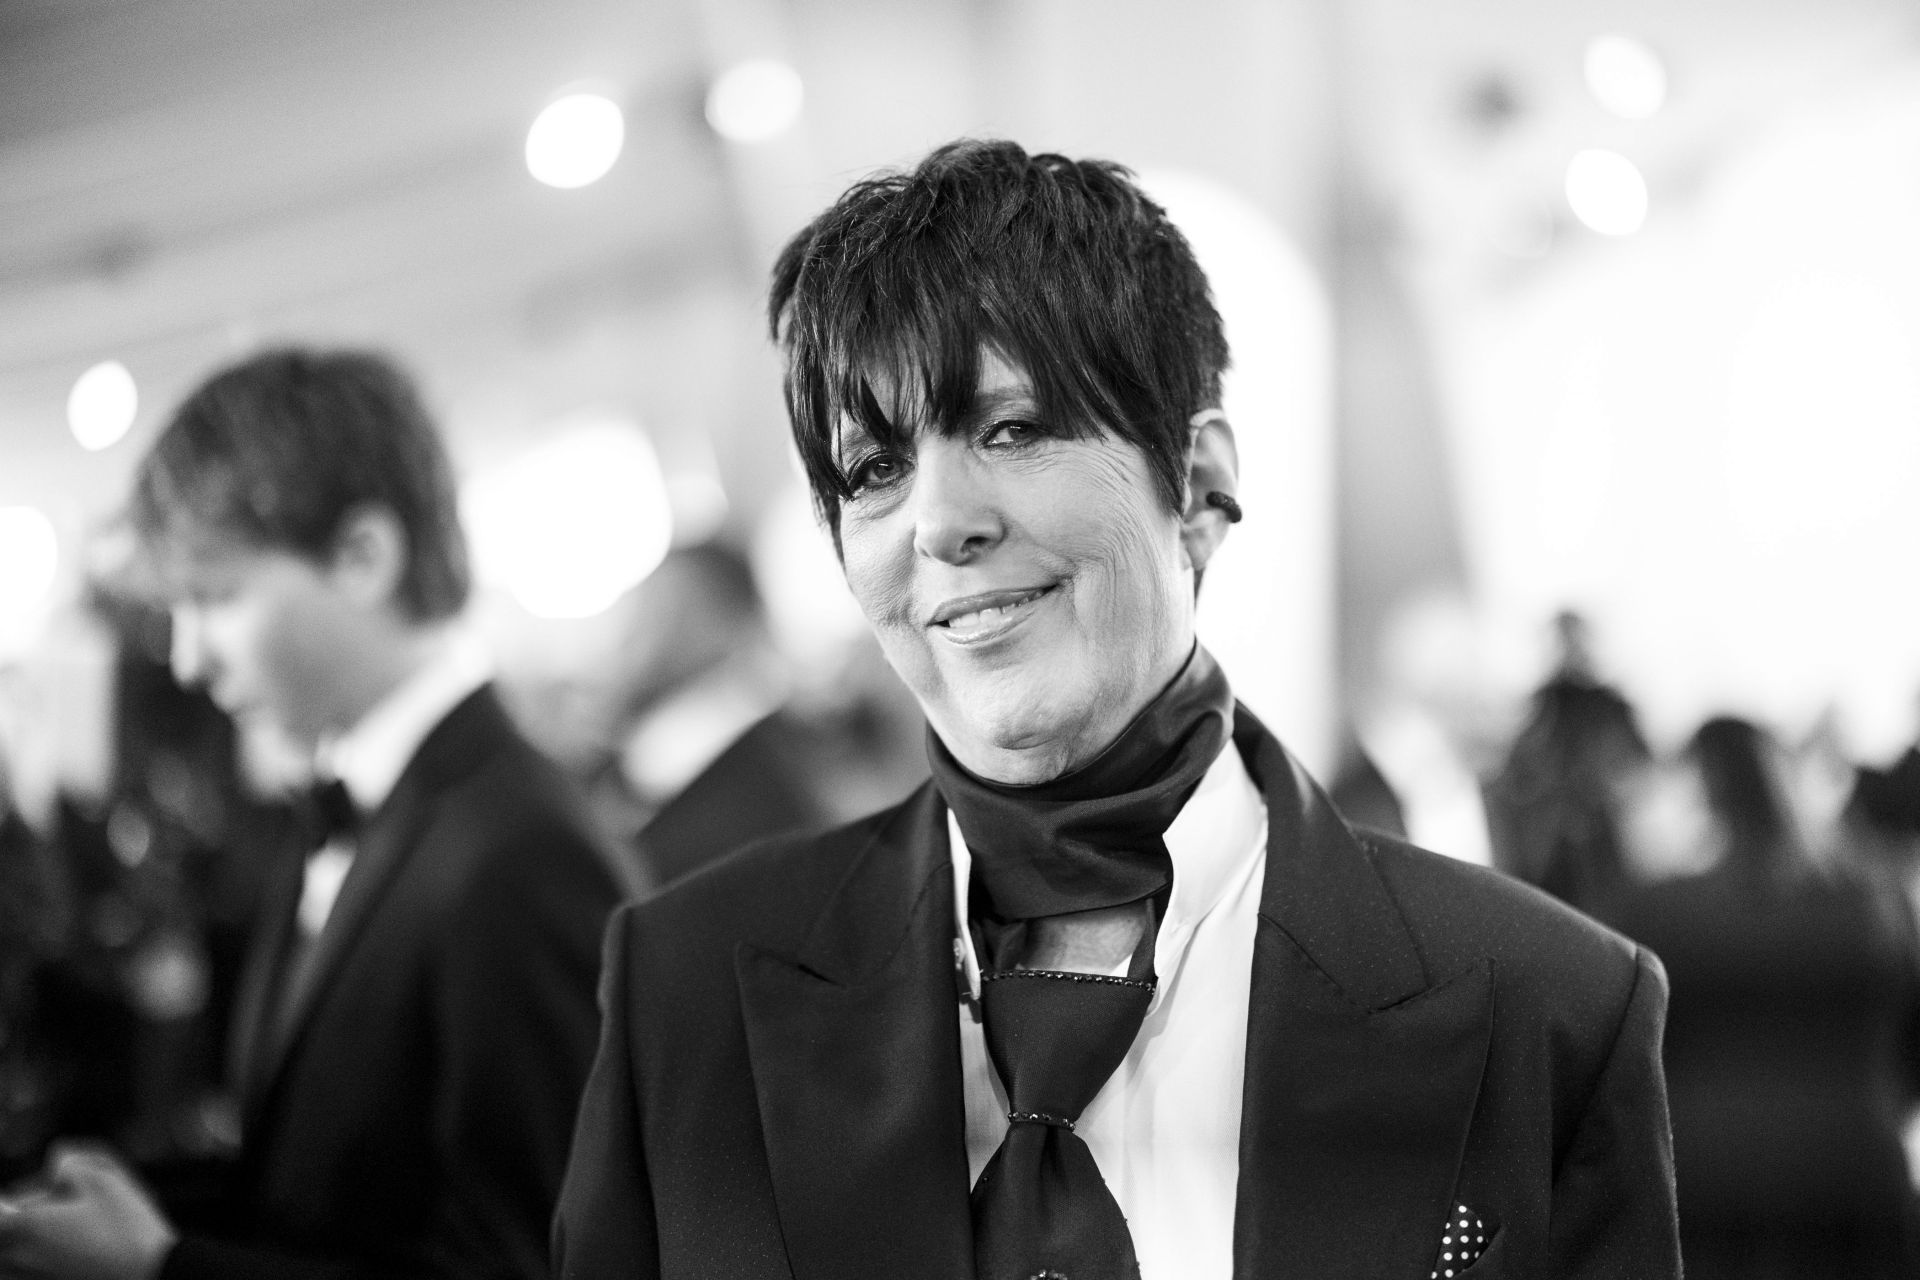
<point>29,557</point>
<point>102,404</point>
<point>575,140</point>
<point>568,527</point>
<point>1606,192</point>
<point>1625,76</point>
<point>756,100</point>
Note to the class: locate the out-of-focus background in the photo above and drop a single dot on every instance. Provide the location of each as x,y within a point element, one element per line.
<point>1575,342</point>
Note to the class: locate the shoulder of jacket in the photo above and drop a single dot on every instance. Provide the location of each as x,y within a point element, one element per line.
<point>1458,910</point>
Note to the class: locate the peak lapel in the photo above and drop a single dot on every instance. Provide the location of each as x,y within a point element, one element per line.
<point>459,743</point>
<point>856,1063</point>
<point>381,850</point>
<point>1362,1069</point>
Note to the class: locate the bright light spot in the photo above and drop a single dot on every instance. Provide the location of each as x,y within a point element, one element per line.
<point>575,140</point>
<point>1606,192</point>
<point>1625,77</point>
<point>101,406</point>
<point>570,526</point>
<point>1266,610</point>
<point>1821,408</point>
<point>29,557</point>
<point>813,616</point>
<point>755,101</point>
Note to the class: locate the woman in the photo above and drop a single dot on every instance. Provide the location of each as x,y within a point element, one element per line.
<point>1117,993</point>
<point>1791,1042</point>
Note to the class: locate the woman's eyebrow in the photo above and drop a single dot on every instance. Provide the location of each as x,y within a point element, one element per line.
<point>998,402</point>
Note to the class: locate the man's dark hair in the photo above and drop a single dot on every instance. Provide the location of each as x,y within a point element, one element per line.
<point>278,450</point>
<point>1063,267</point>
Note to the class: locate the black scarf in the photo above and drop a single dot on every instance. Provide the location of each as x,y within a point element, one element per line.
<point>1093,837</point>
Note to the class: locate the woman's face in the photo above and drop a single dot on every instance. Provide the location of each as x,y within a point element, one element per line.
<point>1029,586</point>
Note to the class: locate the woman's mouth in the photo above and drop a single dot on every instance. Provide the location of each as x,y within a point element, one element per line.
<point>972,619</point>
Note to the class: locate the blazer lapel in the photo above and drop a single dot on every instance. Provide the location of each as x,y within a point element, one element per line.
<point>1362,1068</point>
<point>452,748</point>
<point>381,850</point>
<point>256,1003</point>
<point>855,1052</point>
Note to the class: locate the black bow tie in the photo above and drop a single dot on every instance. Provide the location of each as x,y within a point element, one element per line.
<point>328,813</point>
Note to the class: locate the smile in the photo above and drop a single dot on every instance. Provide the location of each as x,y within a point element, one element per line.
<point>972,619</point>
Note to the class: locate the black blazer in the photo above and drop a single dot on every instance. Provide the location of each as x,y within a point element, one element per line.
<point>778,1094</point>
<point>764,784</point>
<point>406,1109</point>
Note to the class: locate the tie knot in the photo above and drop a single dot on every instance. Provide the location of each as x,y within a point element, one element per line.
<point>328,812</point>
<point>1056,1037</point>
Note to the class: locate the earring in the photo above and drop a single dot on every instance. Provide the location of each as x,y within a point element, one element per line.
<point>1226,503</point>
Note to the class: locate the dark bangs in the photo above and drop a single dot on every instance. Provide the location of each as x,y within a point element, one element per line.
<point>885,303</point>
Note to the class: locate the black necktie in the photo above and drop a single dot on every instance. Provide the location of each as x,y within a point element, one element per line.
<point>1089,840</point>
<point>1041,1208</point>
<point>327,813</point>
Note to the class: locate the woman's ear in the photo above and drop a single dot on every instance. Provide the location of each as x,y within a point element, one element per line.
<point>1213,474</point>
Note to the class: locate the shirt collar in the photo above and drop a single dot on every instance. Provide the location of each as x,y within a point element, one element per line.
<point>369,757</point>
<point>1216,836</point>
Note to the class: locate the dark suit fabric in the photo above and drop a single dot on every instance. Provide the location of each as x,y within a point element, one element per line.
<point>778,1088</point>
<point>1791,1055</point>
<point>765,783</point>
<point>407,1105</point>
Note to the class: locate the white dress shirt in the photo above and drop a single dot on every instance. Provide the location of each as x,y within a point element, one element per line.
<point>369,757</point>
<point>1165,1129</point>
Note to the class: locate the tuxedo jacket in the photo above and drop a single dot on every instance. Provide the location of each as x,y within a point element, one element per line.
<point>410,1080</point>
<point>778,1091</point>
<point>763,784</point>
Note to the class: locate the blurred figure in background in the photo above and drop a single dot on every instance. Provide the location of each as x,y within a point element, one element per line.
<point>1883,814</point>
<point>1792,1037</point>
<point>156,863</point>
<point>35,910</point>
<point>417,1014</point>
<point>715,739</point>
<point>708,758</point>
<point>1554,804</point>
<point>1432,731</point>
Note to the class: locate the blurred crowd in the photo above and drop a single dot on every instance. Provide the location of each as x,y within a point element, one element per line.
<point>1776,881</point>
<point>127,900</point>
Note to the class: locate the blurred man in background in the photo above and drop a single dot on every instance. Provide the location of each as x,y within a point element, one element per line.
<point>708,758</point>
<point>418,1013</point>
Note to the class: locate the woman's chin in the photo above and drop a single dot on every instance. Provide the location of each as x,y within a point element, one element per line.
<point>1032,742</point>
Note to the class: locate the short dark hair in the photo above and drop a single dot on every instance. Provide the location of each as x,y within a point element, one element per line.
<point>1064,267</point>
<point>279,449</point>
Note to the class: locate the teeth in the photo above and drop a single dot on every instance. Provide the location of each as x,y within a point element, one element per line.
<point>989,616</point>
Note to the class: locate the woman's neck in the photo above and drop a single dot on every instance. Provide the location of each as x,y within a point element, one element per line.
<point>1097,941</point>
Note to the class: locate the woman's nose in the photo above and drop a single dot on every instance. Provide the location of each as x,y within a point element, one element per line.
<point>956,508</point>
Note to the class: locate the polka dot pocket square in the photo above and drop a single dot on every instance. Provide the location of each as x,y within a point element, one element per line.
<point>1467,1235</point>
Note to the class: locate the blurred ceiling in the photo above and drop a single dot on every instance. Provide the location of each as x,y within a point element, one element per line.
<point>180,179</point>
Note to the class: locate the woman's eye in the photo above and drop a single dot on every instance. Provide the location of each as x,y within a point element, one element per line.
<point>874,470</point>
<point>1011,432</point>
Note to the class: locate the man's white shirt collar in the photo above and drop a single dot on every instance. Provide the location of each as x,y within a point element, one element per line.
<point>369,757</point>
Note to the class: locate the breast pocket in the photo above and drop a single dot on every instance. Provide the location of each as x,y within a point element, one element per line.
<point>1481,1266</point>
